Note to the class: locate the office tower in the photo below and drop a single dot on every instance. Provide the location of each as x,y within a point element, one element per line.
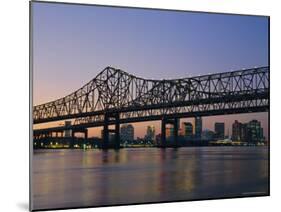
<point>198,126</point>
<point>219,130</point>
<point>254,132</point>
<point>237,131</point>
<point>127,132</point>
<point>150,133</point>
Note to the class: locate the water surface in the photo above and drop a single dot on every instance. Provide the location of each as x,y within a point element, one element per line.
<point>77,178</point>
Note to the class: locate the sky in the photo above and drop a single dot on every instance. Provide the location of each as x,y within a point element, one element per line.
<point>73,43</point>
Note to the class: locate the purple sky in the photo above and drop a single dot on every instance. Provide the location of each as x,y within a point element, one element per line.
<point>73,43</point>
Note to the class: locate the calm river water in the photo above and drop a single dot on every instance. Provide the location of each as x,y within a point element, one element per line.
<point>77,178</point>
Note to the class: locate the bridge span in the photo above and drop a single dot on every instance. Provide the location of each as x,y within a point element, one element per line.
<point>115,97</point>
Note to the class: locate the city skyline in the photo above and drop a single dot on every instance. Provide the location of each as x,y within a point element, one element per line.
<point>228,131</point>
<point>174,45</point>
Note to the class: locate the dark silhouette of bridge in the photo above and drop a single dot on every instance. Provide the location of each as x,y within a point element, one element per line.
<point>114,97</point>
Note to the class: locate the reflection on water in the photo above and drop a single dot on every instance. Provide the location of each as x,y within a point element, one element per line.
<point>74,178</point>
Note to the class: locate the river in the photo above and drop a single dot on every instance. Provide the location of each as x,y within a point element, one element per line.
<point>77,178</point>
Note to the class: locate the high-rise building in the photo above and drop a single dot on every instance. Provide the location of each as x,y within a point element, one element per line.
<point>254,132</point>
<point>244,132</point>
<point>198,126</point>
<point>150,133</point>
<point>127,132</point>
<point>219,130</point>
<point>237,131</point>
<point>187,129</point>
<point>251,132</point>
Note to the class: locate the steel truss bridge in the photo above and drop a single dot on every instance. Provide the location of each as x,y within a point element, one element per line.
<point>114,97</point>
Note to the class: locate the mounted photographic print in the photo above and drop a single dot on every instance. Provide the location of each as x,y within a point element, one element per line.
<point>137,105</point>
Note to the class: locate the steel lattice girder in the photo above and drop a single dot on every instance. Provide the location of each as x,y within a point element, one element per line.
<point>114,90</point>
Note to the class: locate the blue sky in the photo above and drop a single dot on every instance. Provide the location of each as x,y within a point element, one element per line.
<point>73,43</point>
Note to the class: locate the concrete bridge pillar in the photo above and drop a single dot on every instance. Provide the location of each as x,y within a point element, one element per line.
<point>116,131</point>
<point>175,123</point>
<point>163,132</point>
<point>105,135</point>
<point>176,131</point>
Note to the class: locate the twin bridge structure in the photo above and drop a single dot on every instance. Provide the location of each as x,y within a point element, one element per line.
<point>115,97</point>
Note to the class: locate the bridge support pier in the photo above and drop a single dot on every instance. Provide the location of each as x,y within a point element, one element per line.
<point>86,134</point>
<point>176,131</point>
<point>105,135</point>
<point>117,132</point>
<point>163,133</point>
<point>106,131</point>
<point>175,123</point>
